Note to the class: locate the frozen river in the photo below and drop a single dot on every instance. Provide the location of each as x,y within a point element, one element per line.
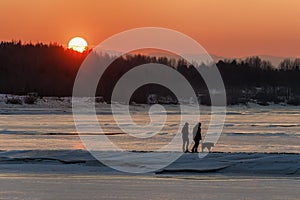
<point>246,129</point>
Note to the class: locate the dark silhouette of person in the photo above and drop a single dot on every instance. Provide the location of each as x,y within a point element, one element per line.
<point>185,138</point>
<point>197,137</point>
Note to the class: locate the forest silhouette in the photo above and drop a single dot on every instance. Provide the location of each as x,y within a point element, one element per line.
<point>50,70</point>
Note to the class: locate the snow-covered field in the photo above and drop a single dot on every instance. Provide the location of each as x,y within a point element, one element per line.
<point>77,175</point>
<point>82,162</point>
<point>42,157</point>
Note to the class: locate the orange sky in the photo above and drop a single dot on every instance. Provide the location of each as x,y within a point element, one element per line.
<point>228,28</point>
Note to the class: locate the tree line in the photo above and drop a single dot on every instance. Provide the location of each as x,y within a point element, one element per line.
<point>50,70</point>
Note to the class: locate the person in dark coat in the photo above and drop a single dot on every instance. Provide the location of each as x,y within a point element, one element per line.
<point>185,138</point>
<point>197,137</point>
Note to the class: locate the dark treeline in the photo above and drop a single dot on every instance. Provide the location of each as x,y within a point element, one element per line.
<point>254,79</point>
<point>50,70</point>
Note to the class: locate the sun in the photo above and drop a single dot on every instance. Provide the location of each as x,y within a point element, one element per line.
<point>78,44</point>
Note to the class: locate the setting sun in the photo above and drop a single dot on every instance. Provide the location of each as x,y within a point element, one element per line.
<point>78,44</point>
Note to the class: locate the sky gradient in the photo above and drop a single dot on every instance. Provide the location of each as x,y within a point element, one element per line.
<point>229,28</point>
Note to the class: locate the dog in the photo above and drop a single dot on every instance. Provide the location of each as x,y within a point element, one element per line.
<point>207,145</point>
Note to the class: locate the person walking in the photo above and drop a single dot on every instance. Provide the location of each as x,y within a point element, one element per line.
<point>185,138</point>
<point>197,137</point>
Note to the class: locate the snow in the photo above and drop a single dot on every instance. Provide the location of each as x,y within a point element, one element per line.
<point>81,161</point>
<point>140,187</point>
<point>76,175</point>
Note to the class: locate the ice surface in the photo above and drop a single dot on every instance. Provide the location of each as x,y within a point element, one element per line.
<point>91,187</point>
<point>49,125</point>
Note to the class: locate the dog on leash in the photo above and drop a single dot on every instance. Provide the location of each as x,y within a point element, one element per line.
<point>207,145</point>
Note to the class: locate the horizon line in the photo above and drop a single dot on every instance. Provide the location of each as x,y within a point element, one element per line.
<point>91,46</point>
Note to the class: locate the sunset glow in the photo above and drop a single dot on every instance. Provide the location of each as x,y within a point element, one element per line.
<point>225,28</point>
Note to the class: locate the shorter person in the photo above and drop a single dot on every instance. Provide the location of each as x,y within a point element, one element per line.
<point>185,138</point>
